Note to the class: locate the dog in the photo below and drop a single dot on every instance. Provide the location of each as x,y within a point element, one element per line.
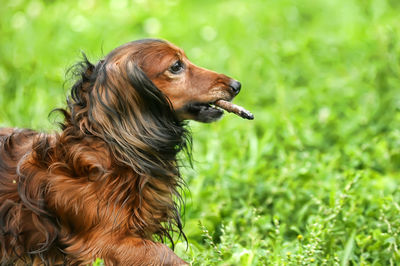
<point>108,184</point>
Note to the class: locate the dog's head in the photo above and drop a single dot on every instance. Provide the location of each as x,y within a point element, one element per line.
<point>138,96</point>
<point>191,90</point>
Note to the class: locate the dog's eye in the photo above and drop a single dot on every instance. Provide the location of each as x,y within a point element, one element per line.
<point>177,67</point>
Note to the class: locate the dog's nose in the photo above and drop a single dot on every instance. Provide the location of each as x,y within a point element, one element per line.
<point>235,86</point>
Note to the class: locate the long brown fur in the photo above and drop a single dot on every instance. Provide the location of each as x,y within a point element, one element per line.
<point>107,185</point>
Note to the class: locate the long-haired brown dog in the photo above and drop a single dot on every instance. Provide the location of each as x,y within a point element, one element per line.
<point>107,186</point>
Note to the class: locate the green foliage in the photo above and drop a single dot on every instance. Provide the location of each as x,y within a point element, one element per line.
<point>98,262</point>
<point>314,179</point>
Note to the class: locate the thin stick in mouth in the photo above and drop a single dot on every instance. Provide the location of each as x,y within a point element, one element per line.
<point>233,108</point>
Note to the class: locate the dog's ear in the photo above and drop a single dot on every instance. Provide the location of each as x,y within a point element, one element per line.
<point>121,105</point>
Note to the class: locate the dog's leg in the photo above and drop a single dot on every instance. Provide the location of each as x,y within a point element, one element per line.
<point>126,251</point>
<point>136,251</point>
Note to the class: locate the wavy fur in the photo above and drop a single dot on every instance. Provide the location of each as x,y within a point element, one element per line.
<point>108,184</point>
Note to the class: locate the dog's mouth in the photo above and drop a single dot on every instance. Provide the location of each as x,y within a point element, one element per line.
<point>212,111</point>
<point>204,112</point>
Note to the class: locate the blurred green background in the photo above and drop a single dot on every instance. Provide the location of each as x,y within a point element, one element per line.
<point>314,179</point>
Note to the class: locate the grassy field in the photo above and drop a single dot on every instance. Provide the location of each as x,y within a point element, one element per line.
<point>314,179</point>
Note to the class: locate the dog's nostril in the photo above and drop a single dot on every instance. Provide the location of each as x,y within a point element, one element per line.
<point>235,85</point>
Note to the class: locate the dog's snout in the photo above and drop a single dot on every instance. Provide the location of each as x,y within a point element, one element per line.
<point>235,86</point>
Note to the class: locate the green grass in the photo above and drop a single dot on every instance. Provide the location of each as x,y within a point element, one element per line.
<point>314,179</point>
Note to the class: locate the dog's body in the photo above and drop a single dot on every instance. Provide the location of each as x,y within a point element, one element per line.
<point>106,186</point>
